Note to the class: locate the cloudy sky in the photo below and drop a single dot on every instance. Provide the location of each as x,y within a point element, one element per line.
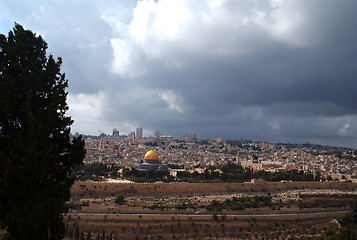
<point>273,70</point>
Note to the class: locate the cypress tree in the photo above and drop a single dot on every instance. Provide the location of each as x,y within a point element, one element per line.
<point>36,153</point>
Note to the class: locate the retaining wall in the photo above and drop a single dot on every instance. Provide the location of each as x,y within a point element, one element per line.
<point>90,187</point>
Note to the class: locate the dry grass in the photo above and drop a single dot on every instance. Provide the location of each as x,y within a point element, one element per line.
<point>304,226</point>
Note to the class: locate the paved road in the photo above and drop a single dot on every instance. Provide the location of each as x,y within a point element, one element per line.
<point>220,214</point>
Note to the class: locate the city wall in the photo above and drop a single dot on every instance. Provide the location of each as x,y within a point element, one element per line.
<point>103,188</point>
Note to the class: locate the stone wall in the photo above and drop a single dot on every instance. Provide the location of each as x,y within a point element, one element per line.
<point>103,188</point>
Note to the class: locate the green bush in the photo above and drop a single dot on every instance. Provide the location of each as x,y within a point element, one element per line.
<point>85,203</point>
<point>119,199</point>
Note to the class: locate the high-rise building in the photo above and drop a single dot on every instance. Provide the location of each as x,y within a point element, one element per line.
<point>189,136</point>
<point>115,133</point>
<point>157,133</point>
<point>139,132</point>
<point>131,135</point>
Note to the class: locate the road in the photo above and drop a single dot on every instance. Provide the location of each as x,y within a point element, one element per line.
<point>220,214</point>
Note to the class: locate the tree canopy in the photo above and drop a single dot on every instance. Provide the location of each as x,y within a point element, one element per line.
<point>36,154</point>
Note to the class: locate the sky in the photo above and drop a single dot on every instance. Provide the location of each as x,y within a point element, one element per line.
<point>265,70</point>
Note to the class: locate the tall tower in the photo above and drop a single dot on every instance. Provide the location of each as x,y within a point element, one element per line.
<point>139,132</point>
<point>101,145</point>
<point>238,161</point>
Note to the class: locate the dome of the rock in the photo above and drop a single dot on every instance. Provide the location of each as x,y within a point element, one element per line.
<point>151,161</point>
<point>151,155</point>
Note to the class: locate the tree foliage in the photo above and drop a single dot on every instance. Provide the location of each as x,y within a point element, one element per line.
<point>95,171</point>
<point>150,175</point>
<point>36,154</point>
<point>235,173</point>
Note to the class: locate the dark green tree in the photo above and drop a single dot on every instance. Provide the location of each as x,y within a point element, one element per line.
<point>36,153</point>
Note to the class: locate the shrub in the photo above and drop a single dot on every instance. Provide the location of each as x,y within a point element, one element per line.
<point>119,199</point>
<point>215,217</point>
<point>85,203</point>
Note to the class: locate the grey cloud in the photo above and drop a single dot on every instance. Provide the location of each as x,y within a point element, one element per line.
<point>268,70</point>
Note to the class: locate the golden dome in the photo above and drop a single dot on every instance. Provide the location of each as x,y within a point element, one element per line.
<point>152,155</point>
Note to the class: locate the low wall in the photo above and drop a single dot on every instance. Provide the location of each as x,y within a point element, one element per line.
<point>104,188</point>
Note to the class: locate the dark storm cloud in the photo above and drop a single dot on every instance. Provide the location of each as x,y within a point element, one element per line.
<point>268,70</point>
<point>269,78</point>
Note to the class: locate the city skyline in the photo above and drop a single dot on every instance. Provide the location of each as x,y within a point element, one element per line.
<point>276,71</point>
